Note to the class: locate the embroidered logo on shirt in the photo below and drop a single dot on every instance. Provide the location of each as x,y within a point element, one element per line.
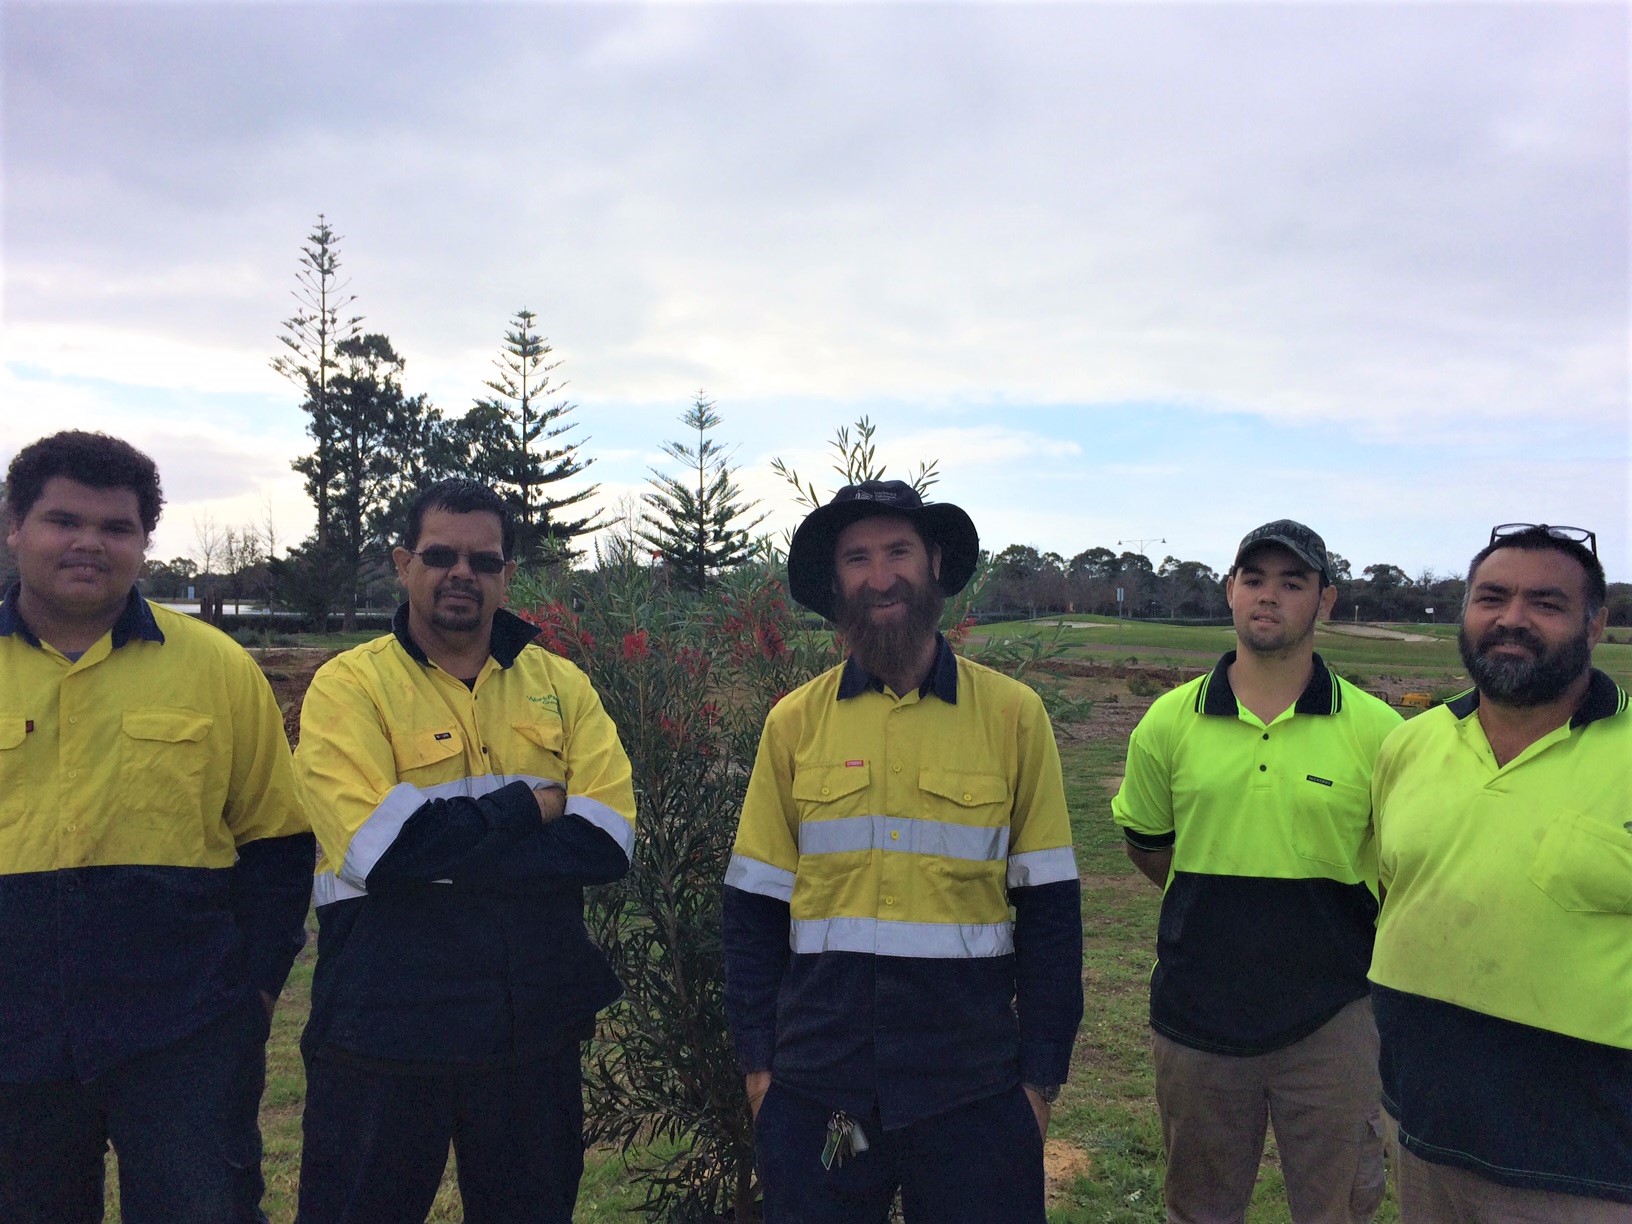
<point>549,701</point>
<point>1322,781</point>
<point>442,735</point>
<point>847,764</point>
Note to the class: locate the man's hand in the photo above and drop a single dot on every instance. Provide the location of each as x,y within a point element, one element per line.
<point>758,1083</point>
<point>552,802</point>
<point>1041,1109</point>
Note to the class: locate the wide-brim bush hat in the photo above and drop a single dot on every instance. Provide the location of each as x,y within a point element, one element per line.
<point>943,525</point>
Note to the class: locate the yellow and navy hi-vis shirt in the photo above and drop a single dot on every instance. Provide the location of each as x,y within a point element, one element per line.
<point>450,916</point>
<point>1268,915</point>
<point>871,959</point>
<point>155,861</point>
<point>1502,977</point>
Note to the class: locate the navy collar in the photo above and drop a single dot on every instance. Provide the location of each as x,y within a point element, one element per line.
<point>506,640</point>
<point>136,621</point>
<point>1320,696</point>
<point>942,679</point>
<point>1604,699</point>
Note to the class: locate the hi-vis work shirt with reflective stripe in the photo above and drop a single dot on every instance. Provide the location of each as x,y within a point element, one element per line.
<point>1503,968</point>
<point>447,894</point>
<point>894,832</point>
<point>155,859</point>
<point>1268,914</point>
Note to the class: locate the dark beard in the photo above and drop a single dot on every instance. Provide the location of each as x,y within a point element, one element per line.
<point>893,649</point>
<point>459,622</point>
<point>1523,682</point>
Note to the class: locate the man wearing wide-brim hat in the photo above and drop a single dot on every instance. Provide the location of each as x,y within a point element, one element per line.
<point>896,1027</point>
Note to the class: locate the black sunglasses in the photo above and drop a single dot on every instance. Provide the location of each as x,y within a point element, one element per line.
<point>440,556</point>
<point>1576,535</point>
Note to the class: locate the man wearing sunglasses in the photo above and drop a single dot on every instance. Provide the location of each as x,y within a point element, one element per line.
<point>1502,979</point>
<point>465,785</point>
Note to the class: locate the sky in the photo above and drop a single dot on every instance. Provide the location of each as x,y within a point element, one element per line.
<point>1136,275</point>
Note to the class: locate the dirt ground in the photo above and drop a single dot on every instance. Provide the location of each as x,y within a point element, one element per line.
<point>290,669</point>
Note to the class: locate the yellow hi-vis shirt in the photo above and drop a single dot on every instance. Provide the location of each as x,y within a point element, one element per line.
<point>450,916</point>
<point>895,826</point>
<point>381,733</point>
<point>155,860</point>
<point>1509,889</point>
<point>167,753</point>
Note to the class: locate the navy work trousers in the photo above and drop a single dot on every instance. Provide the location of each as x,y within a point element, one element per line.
<point>981,1163</point>
<point>376,1141</point>
<point>183,1121</point>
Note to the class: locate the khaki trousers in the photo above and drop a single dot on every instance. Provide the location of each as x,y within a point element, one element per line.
<point>1432,1193</point>
<point>1323,1096</point>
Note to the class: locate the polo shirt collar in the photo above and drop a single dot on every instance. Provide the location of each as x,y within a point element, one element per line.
<point>506,640</point>
<point>942,679</point>
<point>1320,696</point>
<point>1604,699</point>
<point>136,621</point>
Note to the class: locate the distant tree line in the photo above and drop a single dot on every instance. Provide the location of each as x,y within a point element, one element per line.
<point>1024,581</point>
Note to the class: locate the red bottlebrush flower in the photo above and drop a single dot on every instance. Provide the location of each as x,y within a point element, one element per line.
<point>634,646</point>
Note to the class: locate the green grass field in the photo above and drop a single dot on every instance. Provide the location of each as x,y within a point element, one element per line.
<point>1409,651</point>
<point>1104,1139</point>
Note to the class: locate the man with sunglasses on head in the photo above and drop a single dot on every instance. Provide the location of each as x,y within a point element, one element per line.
<point>1503,971</point>
<point>465,785</point>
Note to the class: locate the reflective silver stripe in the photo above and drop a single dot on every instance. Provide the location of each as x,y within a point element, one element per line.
<point>753,876</point>
<point>1042,867</point>
<point>376,834</point>
<point>905,835</point>
<point>927,940</point>
<point>607,819</point>
<point>327,887</point>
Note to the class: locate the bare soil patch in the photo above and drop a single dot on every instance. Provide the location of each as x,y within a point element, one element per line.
<point>1063,1163</point>
<point>289,669</point>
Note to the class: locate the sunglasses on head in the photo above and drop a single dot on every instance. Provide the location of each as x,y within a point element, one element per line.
<point>440,556</point>
<point>1576,535</point>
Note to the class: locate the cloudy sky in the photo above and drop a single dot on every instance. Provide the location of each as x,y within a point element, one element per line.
<point>1126,271</point>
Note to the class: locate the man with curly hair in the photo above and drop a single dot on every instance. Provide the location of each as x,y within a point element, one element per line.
<point>155,865</point>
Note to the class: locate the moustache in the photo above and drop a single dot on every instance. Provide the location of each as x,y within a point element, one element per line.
<point>1516,636</point>
<point>901,590</point>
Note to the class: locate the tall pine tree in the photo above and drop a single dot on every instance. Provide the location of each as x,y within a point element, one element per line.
<point>692,519</point>
<point>512,441</point>
<point>313,335</point>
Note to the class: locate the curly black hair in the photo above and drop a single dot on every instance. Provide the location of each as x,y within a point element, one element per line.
<point>93,459</point>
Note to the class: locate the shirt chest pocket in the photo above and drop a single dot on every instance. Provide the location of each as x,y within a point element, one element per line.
<point>1585,865</point>
<point>429,755</point>
<point>963,798</point>
<point>541,746</point>
<point>164,757</point>
<point>14,789</point>
<point>1332,823</point>
<point>827,792</point>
